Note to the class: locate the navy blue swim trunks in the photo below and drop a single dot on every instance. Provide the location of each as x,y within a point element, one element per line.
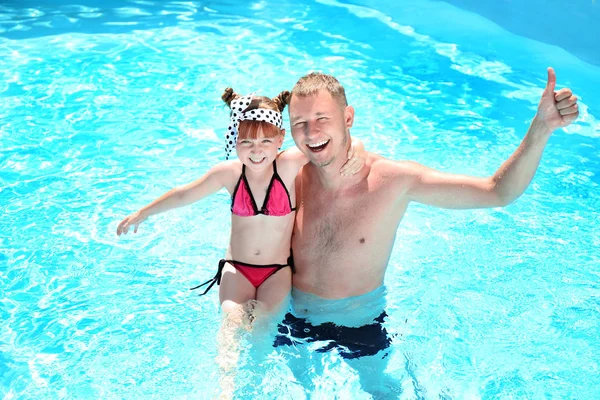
<point>350,342</point>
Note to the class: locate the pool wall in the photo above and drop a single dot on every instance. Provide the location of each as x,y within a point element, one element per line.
<point>573,25</point>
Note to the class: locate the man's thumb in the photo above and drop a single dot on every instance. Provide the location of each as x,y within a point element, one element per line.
<point>551,80</point>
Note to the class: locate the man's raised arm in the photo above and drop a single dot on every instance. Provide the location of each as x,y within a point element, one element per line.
<point>425,185</point>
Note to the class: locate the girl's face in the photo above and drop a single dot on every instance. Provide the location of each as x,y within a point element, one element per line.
<point>258,154</point>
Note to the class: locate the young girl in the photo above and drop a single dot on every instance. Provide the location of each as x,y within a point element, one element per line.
<point>258,264</point>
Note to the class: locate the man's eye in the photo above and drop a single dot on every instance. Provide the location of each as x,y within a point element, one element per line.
<point>299,123</point>
<point>322,119</point>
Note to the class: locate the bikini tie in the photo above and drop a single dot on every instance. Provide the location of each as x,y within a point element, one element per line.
<point>216,279</point>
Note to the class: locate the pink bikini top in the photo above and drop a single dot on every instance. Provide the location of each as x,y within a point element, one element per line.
<point>277,201</point>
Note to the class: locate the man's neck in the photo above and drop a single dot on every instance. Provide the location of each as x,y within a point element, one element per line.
<point>329,176</point>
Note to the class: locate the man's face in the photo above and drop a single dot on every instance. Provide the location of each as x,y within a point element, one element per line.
<point>320,127</point>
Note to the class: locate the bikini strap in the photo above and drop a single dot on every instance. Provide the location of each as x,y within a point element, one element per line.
<point>290,262</point>
<point>216,279</point>
<point>287,192</point>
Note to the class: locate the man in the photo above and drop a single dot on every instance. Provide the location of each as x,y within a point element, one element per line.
<point>345,226</point>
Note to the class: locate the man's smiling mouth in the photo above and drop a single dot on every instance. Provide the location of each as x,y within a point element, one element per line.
<point>317,147</point>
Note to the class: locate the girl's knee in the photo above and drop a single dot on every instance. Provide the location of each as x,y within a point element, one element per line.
<point>229,307</point>
<point>240,314</point>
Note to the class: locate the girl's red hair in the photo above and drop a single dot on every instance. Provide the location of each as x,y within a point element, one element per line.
<point>251,130</point>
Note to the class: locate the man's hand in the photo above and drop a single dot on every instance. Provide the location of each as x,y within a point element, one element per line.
<point>134,220</point>
<point>557,109</point>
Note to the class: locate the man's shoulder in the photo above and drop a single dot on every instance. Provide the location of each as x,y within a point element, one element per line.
<point>391,176</point>
<point>386,168</point>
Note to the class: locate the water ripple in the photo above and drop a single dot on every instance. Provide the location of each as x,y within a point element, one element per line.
<point>103,108</point>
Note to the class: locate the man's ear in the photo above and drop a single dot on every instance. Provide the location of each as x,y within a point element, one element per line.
<point>349,116</point>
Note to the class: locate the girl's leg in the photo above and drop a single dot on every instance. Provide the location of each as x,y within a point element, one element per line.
<point>272,293</point>
<point>235,290</point>
<point>272,302</point>
<point>236,295</point>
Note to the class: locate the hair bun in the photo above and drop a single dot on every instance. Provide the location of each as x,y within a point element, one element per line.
<point>282,100</point>
<point>228,96</point>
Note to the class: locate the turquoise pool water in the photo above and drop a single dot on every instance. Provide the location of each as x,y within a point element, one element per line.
<point>106,105</point>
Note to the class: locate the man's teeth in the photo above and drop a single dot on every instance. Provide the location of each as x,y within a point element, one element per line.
<point>319,144</point>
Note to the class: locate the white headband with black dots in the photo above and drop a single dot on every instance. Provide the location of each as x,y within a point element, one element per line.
<point>237,114</point>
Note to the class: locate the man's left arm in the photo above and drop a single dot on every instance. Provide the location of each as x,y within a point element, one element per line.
<point>556,110</point>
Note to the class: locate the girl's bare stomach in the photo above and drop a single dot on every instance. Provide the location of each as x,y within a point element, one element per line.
<point>261,239</point>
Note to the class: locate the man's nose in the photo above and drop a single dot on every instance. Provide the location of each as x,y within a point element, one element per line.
<point>312,129</point>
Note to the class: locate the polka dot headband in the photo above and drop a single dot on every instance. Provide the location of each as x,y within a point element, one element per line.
<point>237,114</point>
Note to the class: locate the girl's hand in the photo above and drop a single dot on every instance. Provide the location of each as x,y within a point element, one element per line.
<point>134,219</point>
<point>357,157</point>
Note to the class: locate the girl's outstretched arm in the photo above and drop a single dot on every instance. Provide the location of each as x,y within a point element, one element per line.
<point>214,180</point>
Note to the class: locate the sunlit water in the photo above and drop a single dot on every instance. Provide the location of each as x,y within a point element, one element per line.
<point>105,106</point>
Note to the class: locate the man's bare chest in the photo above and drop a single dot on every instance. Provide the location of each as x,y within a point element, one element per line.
<point>332,222</point>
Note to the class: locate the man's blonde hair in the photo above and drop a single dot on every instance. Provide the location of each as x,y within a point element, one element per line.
<point>310,84</point>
